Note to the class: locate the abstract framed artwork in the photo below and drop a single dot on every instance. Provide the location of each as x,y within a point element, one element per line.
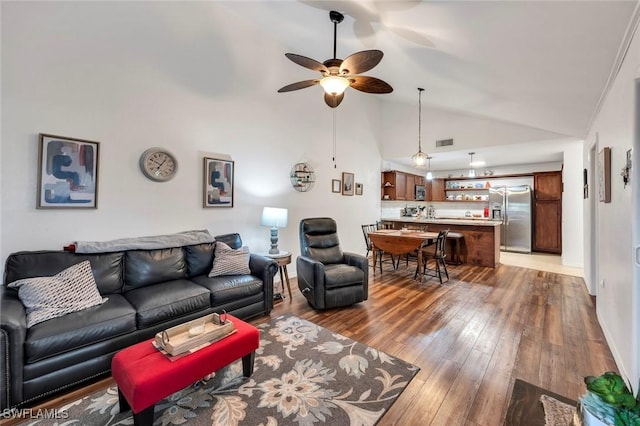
<point>358,188</point>
<point>604,175</point>
<point>347,183</point>
<point>67,173</point>
<point>335,185</point>
<point>218,182</point>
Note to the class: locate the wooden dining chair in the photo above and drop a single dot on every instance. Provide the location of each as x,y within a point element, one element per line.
<point>378,255</point>
<point>365,230</point>
<point>437,252</point>
<point>414,255</point>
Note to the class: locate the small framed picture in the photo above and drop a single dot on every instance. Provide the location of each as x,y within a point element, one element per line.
<point>358,188</point>
<point>335,185</point>
<point>67,173</point>
<point>218,183</point>
<point>604,175</point>
<point>347,183</point>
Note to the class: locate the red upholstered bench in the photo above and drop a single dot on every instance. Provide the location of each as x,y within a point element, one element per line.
<point>145,376</point>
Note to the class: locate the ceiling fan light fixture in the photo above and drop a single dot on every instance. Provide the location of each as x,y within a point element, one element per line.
<point>338,74</point>
<point>334,85</point>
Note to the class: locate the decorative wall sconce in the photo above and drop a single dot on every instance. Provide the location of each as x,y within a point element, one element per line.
<point>626,170</point>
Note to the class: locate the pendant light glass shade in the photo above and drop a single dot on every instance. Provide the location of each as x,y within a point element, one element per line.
<point>419,158</point>
<point>472,171</point>
<point>429,174</point>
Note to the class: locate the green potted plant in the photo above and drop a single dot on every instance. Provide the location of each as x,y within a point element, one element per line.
<point>609,402</point>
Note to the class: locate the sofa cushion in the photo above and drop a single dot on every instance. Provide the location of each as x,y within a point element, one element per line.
<point>108,268</point>
<point>166,301</point>
<point>341,275</point>
<point>146,267</point>
<point>232,240</point>
<point>199,258</point>
<point>71,290</point>
<point>229,288</point>
<point>228,261</point>
<point>113,318</point>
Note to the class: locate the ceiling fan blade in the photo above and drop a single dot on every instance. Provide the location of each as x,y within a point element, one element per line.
<point>298,85</point>
<point>370,84</point>
<point>303,61</point>
<point>333,100</point>
<point>361,62</point>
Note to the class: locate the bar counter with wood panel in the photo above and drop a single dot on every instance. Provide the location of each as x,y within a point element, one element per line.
<point>481,243</point>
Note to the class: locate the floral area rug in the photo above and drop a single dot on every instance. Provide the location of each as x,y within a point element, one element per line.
<point>303,374</point>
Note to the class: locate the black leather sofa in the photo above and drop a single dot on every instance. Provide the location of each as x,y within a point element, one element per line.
<point>147,291</point>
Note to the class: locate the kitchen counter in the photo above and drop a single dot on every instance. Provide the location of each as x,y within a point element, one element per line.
<point>445,221</point>
<point>481,242</point>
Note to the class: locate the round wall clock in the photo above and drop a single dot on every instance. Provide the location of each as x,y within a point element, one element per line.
<point>158,164</point>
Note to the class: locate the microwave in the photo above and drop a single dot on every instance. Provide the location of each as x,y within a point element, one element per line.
<point>421,193</point>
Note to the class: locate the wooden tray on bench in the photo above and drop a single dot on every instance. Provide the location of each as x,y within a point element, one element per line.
<point>185,337</point>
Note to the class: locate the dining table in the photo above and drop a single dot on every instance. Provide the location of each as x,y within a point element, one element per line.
<point>398,242</point>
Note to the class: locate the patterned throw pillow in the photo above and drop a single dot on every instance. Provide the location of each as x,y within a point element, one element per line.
<point>69,291</point>
<point>227,261</point>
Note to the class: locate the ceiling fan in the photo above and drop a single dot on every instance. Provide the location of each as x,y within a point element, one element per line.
<point>338,74</point>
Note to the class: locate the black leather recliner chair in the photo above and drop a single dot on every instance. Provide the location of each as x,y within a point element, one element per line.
<point>327,276</point>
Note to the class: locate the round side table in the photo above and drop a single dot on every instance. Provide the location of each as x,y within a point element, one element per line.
<point>283,258</point>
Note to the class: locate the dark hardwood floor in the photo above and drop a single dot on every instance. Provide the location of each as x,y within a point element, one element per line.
<point>471,338</point>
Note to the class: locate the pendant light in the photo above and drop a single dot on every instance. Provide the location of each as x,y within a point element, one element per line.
<point>472,171</point>
<point>429,174</point>
<point>419,158</point>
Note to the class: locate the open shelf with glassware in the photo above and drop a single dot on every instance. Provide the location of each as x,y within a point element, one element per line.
<point>467,191</point>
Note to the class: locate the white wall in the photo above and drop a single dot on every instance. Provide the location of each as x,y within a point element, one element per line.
<point>613,128</point>
<point>133,75</point>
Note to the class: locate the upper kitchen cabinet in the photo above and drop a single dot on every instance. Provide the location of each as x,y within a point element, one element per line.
<point>400,185</point>
<point>437,190</point>
<point>548,185</point>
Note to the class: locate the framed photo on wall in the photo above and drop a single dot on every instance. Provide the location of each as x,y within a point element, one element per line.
<point>67,173</point>
<point>358,188</point>
<point>335,185</point>
<point>218,183</point>
<point>604,175</point>
<point>347,183</point>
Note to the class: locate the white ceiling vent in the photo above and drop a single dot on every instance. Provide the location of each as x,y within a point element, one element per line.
<point>444,142</point>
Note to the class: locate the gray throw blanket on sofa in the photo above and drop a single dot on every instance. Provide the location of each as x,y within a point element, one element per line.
<point>186,238</point>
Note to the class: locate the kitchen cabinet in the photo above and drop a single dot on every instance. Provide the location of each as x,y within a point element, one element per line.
<point>547,185</point>
<point>547,234</point>
<point>398,185</point>
<point>437,190</point>
<point>547,212</point>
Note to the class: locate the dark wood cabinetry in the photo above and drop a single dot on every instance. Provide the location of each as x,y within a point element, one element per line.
<point>437,190</point>
<point>547,212</point>
<point>400,185</point>
<point>548,185</point>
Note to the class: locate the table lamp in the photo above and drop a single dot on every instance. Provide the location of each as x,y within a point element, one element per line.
<point>275,218</point>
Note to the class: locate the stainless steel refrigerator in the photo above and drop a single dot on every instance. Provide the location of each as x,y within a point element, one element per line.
<point>512,205</point>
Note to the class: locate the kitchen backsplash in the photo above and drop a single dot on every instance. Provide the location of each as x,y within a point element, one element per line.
<point>393,209</point>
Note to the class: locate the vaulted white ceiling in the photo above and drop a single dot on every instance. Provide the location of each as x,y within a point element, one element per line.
<point>542,65</point>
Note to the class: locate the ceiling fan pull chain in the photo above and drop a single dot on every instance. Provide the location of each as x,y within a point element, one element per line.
<point>334,139</point>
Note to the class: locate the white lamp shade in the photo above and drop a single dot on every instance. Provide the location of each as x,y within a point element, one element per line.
<point>334,85</point>
<point>274,217</point>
